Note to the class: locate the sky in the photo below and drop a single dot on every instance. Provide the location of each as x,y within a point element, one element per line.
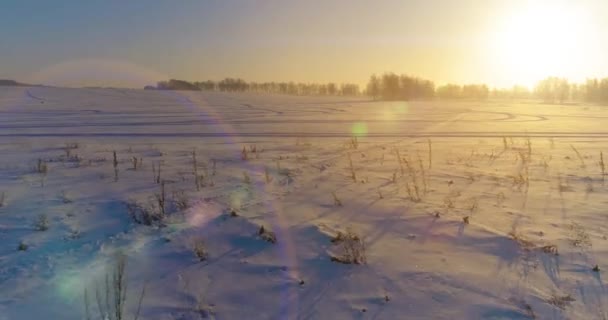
<point>137,42</point>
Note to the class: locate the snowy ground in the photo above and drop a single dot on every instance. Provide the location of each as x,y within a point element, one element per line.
<point>526,177</point>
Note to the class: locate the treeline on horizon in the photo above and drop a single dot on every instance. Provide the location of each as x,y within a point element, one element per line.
<point>390,86</point>
<point>240,85</point>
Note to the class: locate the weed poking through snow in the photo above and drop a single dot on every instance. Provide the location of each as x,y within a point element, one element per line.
<point>266,235</point>
<point>199,249</point>
<point>580,157</point>
<point>352,249</point>
<point>42,222</point>
<point>337,201</point>
<point>22,246</point>
<point>111,294</point>
<point>602,166</point>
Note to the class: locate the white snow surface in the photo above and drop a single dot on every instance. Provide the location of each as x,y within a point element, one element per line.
<point>527,176</point>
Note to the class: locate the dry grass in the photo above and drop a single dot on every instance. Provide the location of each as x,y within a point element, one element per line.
<point>180,200</point>
<point>156,171</point>
<point>267,235</point>
<point>197,182</point>
<point>199,249</point>
<point>580,157</point>
<point>353,173</point>
<point>142,214</point>
<point>550,249</point>
<point>22,246</point>
<point>267,176</point>
<point>42,222</point>
<point>602,166</point>
<point>111,294</point>
<point>42,167</point>
<point>560,301</point>
<point>354,143</point>
<point>337,201</point>
<point>430,144</point>
<point>352,250</point>
<point>161,201</point>
<point>246,178</point>
<point>244,154</point>
<point>115,165</point>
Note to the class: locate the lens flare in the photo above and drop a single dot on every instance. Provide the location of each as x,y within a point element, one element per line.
<point>359,129</point>
<point>401,108</point>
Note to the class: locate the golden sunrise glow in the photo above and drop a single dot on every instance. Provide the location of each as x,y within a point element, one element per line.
<point>546,38</point>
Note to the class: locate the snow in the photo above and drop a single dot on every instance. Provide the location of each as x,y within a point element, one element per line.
<point>526,175</point>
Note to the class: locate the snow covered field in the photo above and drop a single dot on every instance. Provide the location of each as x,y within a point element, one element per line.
<point>467,210</point>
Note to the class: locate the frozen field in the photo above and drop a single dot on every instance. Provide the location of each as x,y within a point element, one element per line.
<point>467,210</point>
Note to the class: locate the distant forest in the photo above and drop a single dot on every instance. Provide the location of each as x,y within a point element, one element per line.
<point>391,86</point>
<point>11,83</point>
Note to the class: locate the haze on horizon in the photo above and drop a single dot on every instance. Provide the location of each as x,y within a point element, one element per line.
<point>133,43</point>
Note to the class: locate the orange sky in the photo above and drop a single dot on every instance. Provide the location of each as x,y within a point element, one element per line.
<point>130,44</point>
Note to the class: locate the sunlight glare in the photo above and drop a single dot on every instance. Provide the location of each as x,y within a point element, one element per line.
<point>546,38</point>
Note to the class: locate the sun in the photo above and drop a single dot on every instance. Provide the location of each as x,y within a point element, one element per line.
<point>545,39</point>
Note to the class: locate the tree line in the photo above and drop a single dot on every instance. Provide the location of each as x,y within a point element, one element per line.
<point>560,90</point>
<point>240,85</point>
<point>390,86</point>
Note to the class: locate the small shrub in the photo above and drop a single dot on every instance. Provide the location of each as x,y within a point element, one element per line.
<point>156,172</point>
<point>337,201</point>
<point>42,222</point>
<point>142,214</point>
<point>430,153</point>
<point>111,294</point>
<point>246,178</point>
<point>560,301</point>
<point>233,213</point>
<point>161,200</point>
<point>115,164</point>
<point>354,143</point>
<point>602,166</point>
<point>579,237</point>
<point>353,173</point>
<point>180,200</point>
<point>520,240</point>
<point>64,197</point>
<point>352,249</point>
<point>267,236</point>
<point>199,249</point>
<point>244,154</point>
<point>550,249</point>
<point>339,237</point>
<point>135,162</point>
<point>42,167</point>
<point>267,175</point>
<point>22,246</point>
